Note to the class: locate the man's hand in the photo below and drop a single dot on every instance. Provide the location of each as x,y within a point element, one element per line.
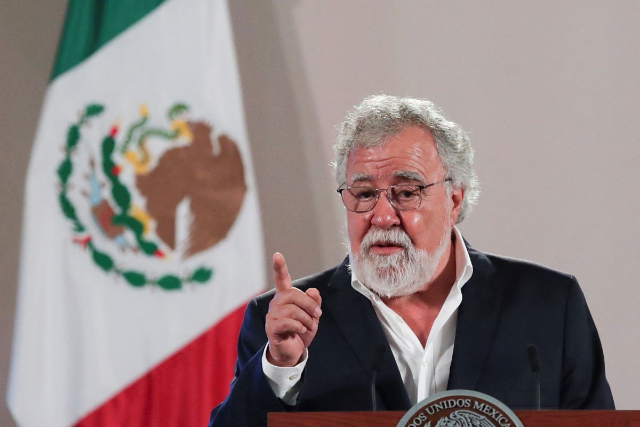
<point>292,321</point>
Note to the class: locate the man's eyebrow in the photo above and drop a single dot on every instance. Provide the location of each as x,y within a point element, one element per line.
<point>361,177</point>
<point>408,175</point>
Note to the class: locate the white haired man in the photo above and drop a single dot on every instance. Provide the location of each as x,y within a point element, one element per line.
<point>413,302</point>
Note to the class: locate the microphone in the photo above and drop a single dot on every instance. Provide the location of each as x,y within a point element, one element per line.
<point>377,365</point>
<point>534,363</point>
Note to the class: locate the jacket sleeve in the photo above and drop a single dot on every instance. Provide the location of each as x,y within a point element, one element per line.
<point>583,384</point>
<point>251,397</point>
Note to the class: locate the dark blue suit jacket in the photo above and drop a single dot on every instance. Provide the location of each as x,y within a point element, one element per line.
<point>507,305</point>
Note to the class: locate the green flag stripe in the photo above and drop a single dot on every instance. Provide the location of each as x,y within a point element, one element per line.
<point>90,24</point>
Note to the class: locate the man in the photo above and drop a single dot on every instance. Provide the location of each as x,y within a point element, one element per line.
<point>414,306</point>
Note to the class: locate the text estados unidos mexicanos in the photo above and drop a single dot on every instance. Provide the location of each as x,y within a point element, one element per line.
<point>422,417</point>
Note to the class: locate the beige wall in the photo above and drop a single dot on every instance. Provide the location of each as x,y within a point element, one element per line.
<point>548,89</point>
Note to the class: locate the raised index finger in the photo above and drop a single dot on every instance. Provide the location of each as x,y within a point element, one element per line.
<point>281,273</point>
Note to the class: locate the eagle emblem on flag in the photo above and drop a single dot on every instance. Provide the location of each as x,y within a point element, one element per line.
<point>165,193</point>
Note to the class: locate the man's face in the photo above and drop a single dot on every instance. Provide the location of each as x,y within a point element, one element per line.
<point>410,157</point>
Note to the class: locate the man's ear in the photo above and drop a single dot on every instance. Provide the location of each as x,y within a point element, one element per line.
<point>457,196</point>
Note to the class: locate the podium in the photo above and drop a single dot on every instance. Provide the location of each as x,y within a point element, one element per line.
<point>391,418</point>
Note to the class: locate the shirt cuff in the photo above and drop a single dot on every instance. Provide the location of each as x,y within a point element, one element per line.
<point>284,381</point>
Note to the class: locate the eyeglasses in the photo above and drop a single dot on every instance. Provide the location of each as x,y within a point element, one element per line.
<point>403,197</point>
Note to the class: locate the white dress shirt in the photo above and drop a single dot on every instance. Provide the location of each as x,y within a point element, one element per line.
<point>424,370</point>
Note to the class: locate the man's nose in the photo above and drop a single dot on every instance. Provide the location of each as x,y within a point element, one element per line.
<point>384,214</point>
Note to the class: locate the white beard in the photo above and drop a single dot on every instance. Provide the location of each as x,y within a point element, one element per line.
<point>398,274</point>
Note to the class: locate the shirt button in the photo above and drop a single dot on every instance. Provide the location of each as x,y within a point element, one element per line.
<point>424,362</point>
<point>293,377</point>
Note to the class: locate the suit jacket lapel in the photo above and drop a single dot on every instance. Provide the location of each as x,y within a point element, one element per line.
<point>357,321</point>
<point>477,320</point>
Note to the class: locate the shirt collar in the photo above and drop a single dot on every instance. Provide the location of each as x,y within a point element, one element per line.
<point>464,268</point>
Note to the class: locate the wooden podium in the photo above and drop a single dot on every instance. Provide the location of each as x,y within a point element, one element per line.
<point>390,419</point>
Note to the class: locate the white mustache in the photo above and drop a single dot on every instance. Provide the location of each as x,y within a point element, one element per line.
<point>393,236</point>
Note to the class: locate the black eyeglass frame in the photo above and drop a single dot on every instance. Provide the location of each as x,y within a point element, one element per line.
<point>379,190</point>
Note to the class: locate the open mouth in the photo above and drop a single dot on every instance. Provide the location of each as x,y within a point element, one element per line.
<point>386,248</point>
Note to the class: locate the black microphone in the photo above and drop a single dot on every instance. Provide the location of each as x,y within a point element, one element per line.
<point>534,362</point>
<point>377,365</point>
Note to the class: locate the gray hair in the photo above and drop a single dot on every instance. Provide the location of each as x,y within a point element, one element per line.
<point>381,117</point>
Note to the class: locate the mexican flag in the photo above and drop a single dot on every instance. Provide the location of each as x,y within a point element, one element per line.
<point>142,239</point>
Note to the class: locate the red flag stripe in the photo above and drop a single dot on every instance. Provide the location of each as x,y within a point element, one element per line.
<point>182,390</point>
